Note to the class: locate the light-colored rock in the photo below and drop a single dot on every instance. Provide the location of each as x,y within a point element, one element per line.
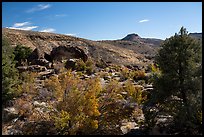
<point>141,117</point>
<point>102,81</point>
<point>148,86</point>
<point>22,68</point>
<point>126,127</point>
<point>148,89</point>
<point>36,103</point>
<point>85,76</point>
<point>42,104</point>
<point>37,68</point>
<point>9,113</point>
<point>116,78</point>
<point>124,93</point>
<point>11,110</point>
<point>107,77</point>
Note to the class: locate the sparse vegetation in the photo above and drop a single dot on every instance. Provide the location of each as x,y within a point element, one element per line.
<point>97,97</point>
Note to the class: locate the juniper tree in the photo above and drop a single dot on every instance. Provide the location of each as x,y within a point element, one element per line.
<point>9,72</point>
<point>21,53</point>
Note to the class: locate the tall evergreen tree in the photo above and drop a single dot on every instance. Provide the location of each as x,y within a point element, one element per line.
<point>178,87</point>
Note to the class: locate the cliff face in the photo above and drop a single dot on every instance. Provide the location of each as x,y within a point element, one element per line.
<point>110,52</point>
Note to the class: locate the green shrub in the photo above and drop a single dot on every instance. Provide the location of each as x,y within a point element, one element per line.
<point>135,92</point>
<point>87,67</point>
<point>21,53</point>
<point>28,84</point>
<point>125,74</point>
<point>9,72</point>
<point>80,65</point>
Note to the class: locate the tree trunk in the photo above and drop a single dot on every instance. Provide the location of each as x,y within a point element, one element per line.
<point>185,101</point>
<point>182,90</point>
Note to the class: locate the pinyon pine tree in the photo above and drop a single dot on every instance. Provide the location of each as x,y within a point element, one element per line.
<point>178,87</point>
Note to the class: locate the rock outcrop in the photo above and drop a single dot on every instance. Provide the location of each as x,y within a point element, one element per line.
<point>67,52</point>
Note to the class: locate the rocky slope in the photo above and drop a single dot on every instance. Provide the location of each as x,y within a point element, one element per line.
<point>121,52</point>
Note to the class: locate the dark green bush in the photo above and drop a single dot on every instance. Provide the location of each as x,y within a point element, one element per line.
<point>9,72</point>
<point>21,53</point>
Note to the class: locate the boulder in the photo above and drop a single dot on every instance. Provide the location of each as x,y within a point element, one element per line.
<point>22,68</point>
<point>42,104</point>
<point>9,113</point>
<point>103,82</point>
<point>68,52</point>
<point>70,64</point>
<point>46,74</point>
<point>148,86</point>
<point>84,76</point>
<point>42,62</point>
<point>37,68</point>
<point>38,53</point>
<point>124,93</point>
<point>127,126</point>
<point>107,77</point>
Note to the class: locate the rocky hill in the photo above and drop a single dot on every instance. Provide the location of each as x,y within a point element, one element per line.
<point>132,37</point>
<point>148,41</point>
<point>196,35</point>
<point>124,52</point>
<point>146,47</point>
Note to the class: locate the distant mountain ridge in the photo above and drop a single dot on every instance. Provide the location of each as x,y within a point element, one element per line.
<point>135,37</point>
<point>131,37</point>
<point>196,35</point>
<point>153,41</point>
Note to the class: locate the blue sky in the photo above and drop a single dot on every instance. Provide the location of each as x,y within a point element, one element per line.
<point>104,20</point>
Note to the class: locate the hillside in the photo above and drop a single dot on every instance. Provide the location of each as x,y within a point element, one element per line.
<point>136,38</point>
<point>196,35</point>
<point>142,46</point>
<point>115,52</point>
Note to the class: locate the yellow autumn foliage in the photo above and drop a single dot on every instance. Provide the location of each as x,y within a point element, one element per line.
<point>77,103</point>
